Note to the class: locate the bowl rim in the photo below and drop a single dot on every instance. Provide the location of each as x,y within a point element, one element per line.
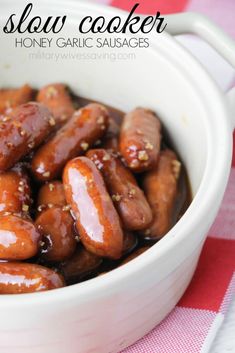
<point>210,183</point>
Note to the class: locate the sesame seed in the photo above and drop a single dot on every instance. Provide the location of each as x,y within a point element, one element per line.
<point>84,146</point>
<point>22,132</point>
<point>20,189</point>
<point>40,208</point>
<point>134,163</point>
<point>42,243</point>
<point>50,205</point>
<point>21,183</point>
<point>143,156</point>
<point>77,238</point>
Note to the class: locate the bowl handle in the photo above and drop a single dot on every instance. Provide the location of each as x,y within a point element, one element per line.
<point>198,24</point>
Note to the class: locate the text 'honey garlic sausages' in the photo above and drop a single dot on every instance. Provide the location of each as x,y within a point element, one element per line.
<point>97,220</point>
<point>57,99</point>
<point>24,128</point>
<point>51,194</point>
<point>11,98</point>
<point>19,278</point>
<point>128,198</point>
<point>57,229</point>
<point>160,186</point>
<point>15,194</point>
<point>140,139</point>
<point>85,127</point>
<point>19,239</point>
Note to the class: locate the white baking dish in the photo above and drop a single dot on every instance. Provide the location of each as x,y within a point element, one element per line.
<point>108,313</point>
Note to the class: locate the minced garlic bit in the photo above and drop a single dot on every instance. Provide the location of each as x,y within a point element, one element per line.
<point>134,163</point>
<point>52,121</point>
<point>77,238</point>
<point>106,157</point>
<point>31,145</point>
<point>46,174</point>
<point>143,156</point>
<point>25,208</point>
<point>100,120</point>
<point>176,168</point>
<point>139,132</point>
<point>42,243</point>
<point>51,92</point>
<point>147,232</point>
<point>6,118</point>
<point>51,187</point>
<point>148,146</point>
<point>84,146</point>
<point>132,192</point>
<point>116,197</point>
<point>66,208</point>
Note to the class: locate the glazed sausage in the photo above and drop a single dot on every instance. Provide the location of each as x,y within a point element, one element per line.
<point>110,141</point>
<point>140,139</point>
<point>74,138</point>
<point>128,198</point>
<point>58,239</point>
<point>11,98</point>
<point>23,129</point>
<point>51,194</point>
<point>19,239</point>
<point>160,186</point>
<point>135,254</point>
<point>96,218</point>
<point>15,194</point>
<point>80,265</point>
<point>130,241</point>
<point>57,99</point>
<point>17,278</point>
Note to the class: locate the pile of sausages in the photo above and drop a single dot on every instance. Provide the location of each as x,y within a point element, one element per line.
<point>79,194</point>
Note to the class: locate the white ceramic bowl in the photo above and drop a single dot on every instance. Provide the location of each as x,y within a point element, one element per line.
<point>108,313</point>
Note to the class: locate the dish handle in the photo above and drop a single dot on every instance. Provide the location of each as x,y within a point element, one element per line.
<point>199,24</point>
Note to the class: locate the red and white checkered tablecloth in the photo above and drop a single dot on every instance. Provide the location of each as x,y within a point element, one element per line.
<point>193,324</point>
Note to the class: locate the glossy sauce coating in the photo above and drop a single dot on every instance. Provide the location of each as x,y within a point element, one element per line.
<point>128,198</point>
<point>15,193</point>
<point>18,278</point>
<point>51,194</point>
<point>135,254</point>
<point>97,220</point>
<point>140,139</point>
<point>160,186</point>
<point>22,130</point>
<point>19,239</point>
<point>57,99</point>
<point>11,98</point>
<point>85,127</point>
<point>58,239</point>
<point>110,141</point>
<point>80,265</point>
<point>130,242</point>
